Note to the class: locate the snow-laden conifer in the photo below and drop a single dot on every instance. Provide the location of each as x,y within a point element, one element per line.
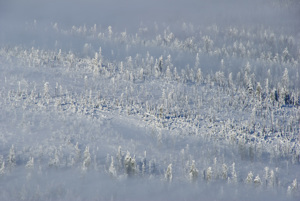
<point>257,180</point>
<point>224,171</point>
<point>112,170</point>
<point>11,157</point>
<point>249,178</point>
<point>199,76</point>
<point>30,164</point>
<point>292,188</point>
<point>193,174</point>
<point>209,174</point>
<point>2,168</point>
<point>54,162</point>
<point>233,174</point>
<point>86,159</point>
<point>130,165</point>
<point>168,73</point>
<point>169,174</point>
<point>77,153</point>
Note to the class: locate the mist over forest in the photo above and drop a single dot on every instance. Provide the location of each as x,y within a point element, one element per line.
<point>149,100</point>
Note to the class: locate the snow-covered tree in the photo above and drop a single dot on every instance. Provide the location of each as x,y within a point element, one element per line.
<point>257,180</point>
<point>197,62</point>
<point>248,83</point>
<point>157,70</point>
<point>130,165</point>
<point>175,73</point>
<point>168,62</point>
<point>29,166</point>
<point>95,66</point>
<point>30,163</point>
<point>169,174</point>
<point>285,55</point>
<point>285,78</point>
<point>77,153</point>
<point>46,90</point>
<point>233,174</point>
<point>249,178</point>
<point>199,75</point>
<point>168,73</point>
<point>112,170</point>
<point>285,84</point>
<point>142,74</point>
<point>86,159</point>
<point>209,174</point>
<point>271,181</point>
<point>160,64</point>
<point>11,161</point>
<point>208,43</point>
<point>292,188</point>
<point>54,162</point>
<point>220,78</point>
<point>119,159</point>
<point>224,171</point>
<point>2,168</point>
<point>110,32</point>
<point>193,174</point>
<point>230,81</point>
<point>258,91</point>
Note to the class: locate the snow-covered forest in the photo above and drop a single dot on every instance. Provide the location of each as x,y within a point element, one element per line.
<point>150,100</point>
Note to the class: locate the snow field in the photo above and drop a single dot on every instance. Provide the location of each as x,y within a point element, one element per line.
<point>200,113</point>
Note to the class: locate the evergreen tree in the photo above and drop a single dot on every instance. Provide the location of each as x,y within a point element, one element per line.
<point>224,171</point>
<point>197,62</point>
<point>30,163</point>
<point>112,170</point>
<point>258,91</point>
<point>257,180</point>
<point>249,178</point>
<point>209,174</point>
<point>12,157</point>
<point>168,73</point>
<point>193,172</point>
<point>130,165</point>
<point>199,75</point>
<point>86,159</point>
<point>168,174</point>
<point>2,168</point>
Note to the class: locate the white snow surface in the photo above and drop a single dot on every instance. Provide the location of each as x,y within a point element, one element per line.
<point>149,100</point>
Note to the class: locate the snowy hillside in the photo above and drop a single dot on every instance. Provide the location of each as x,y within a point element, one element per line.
<point>121,104</point>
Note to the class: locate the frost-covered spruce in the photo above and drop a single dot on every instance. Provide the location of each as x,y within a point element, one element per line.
<point>257,181</point>
<point>30,164</point>
<point>86,159</point>
<point>292,188</point>
<point>130,165</point>
<point>55,161</point>
<point>77,153</point>
<point>209,174</point>
<point>266,175</point>
<point>193,174</point>
<point>46,89</point>
<point>271,178</point>
<point>120,161</point>
<point>168,73</point>
<point>2,168</point>
<point>112,171</point>
<point>11,157</point>
<point>233,174</point>
<point>143,169</point>
<point>224,171</point>
<point>169,174</point>
<point>249,178</point>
